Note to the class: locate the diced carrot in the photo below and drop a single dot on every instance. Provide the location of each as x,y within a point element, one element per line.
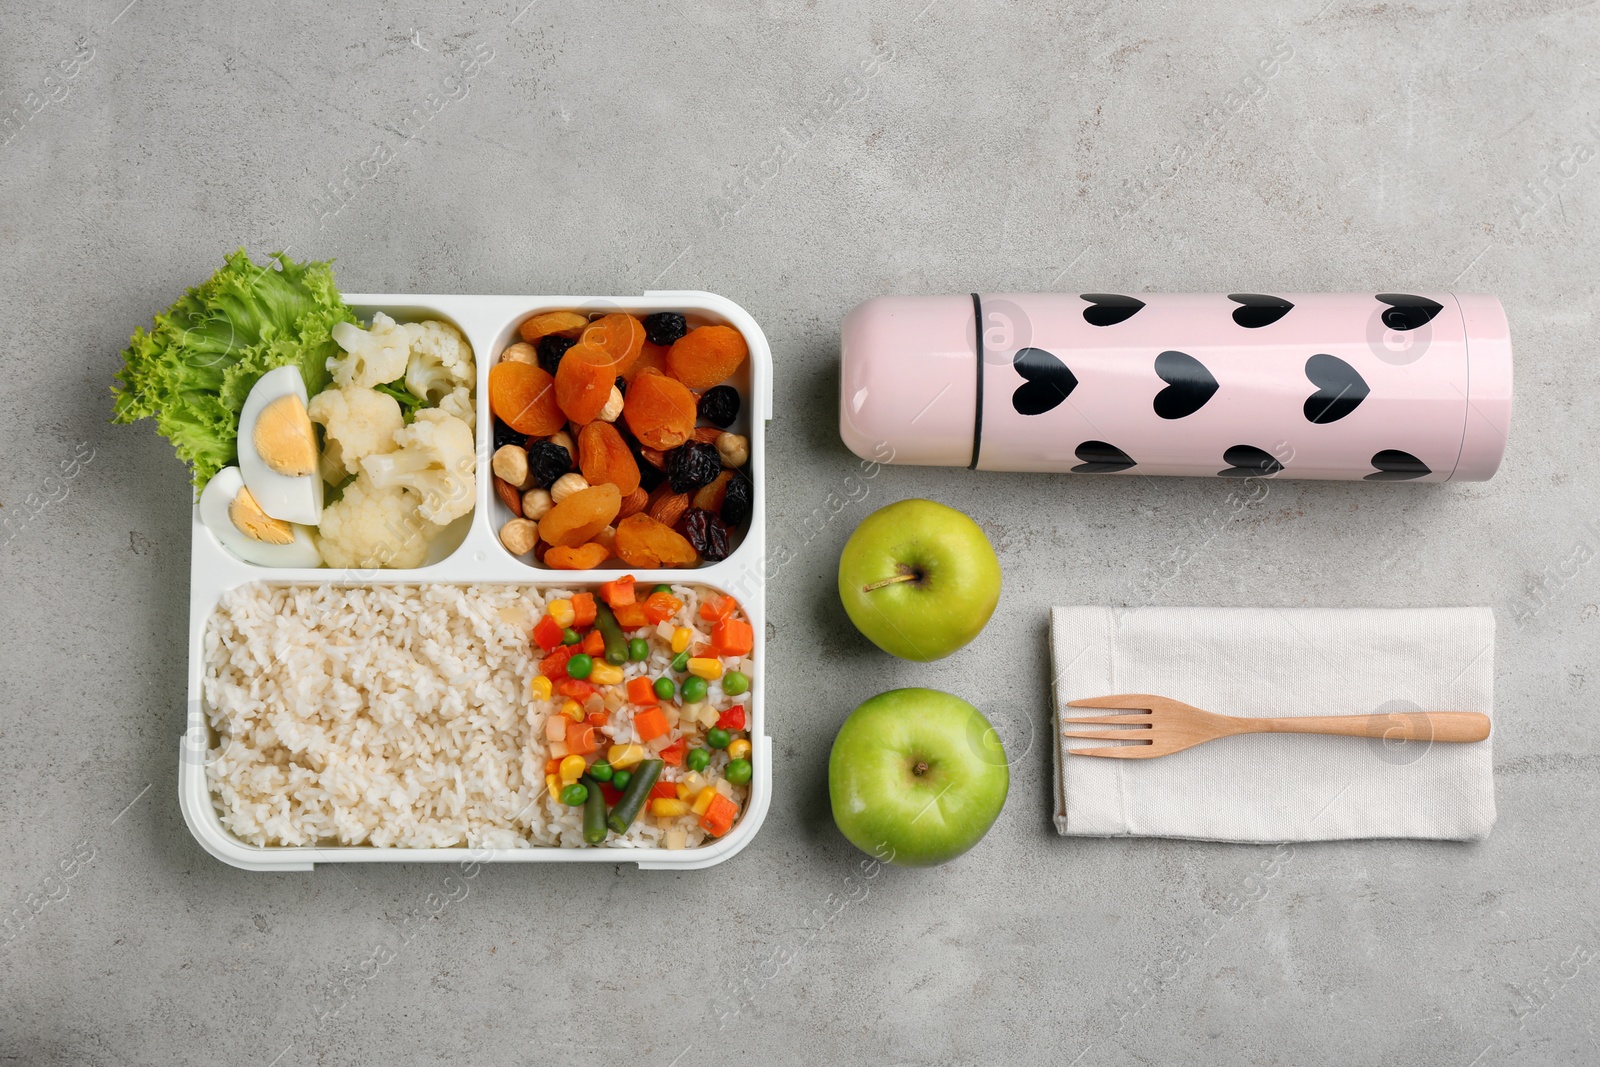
<point>619,592</point>
<point>717,608</point>
<point>733,637</point>
<point>732,719</point>
<point>583,610</point>
<point>547,633</point>
<point>552,765</point>
<point>598,718</point>
<point>673,754</point>
<point>664,791</point>
<point>594,643</point>
<point>554,666</point>
<point>631,616</point>
<point>574,689</point>
<point>582,739</point>
<point>651,723</point>
<point>719,817</point>
<point>642,691</point>
<point>660,607</point>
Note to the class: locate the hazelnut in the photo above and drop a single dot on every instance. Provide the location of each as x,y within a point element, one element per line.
<point>613,408</point>
<point>566,485</point>
<point>536,503</point>
<point>511,464</point>
<point>564,439</point>
<point>734,449</point>
<point>519,536</point>
<point>521,352</point>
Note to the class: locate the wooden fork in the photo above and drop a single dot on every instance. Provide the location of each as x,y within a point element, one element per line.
<point>1171,726</point>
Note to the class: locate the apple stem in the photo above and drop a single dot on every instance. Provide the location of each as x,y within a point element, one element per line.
<point>920,769</point>
<point>905,576</point>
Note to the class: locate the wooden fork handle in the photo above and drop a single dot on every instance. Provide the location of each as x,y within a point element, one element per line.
<point>1400,726</point>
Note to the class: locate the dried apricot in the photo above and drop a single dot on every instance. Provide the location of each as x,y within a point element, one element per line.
<point>706,355</point>
<point>580,516</point>
<point>619,334</point>
<point>583,382</point>
<point>583,558</point>
<point>634,502</point>
<point>709,497</point>
<point>563,323</point>
<point>659,411</point>
<point>644,542</point>
<point>524,397</point>
<point>603,456</point>
<point>651,357</point>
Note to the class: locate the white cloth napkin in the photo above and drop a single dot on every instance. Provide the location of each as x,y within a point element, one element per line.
<point>1279,662</point>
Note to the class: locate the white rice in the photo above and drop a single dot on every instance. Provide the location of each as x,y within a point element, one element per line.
<point>401,716</point>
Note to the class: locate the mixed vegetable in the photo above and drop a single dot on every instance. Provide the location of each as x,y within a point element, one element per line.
<point>612,440</point>
<point>241,373</point>
<point>644,709</point>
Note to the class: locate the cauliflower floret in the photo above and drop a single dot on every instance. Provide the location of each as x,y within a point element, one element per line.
<point>358,422</point>
<point>436,460</point>
<point>441,360</point>
<point>373,526</point>
<point>459,403</point>
<point>372,356</point>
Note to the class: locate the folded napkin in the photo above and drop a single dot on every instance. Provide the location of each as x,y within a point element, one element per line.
<point>1279,662</point>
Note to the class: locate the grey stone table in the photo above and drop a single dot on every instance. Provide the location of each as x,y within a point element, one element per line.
<point>799,159</point>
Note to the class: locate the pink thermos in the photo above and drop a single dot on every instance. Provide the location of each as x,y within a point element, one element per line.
<point>1382,387</point>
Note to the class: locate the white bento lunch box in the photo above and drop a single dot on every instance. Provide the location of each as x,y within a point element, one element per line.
<point>470,553</point>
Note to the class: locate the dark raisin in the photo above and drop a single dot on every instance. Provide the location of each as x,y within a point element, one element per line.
<point>547,462</point>
<point>692,465</point>
<point>707,533</point>
<point>719,405</point>
<point>505,435</point>
<point>552,347</point>
<point>664,327</point>
<point>622,385</point>
<point>736,502</point>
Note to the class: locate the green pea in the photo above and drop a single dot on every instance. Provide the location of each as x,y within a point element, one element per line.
<point>694,689</point>
<point>600,771</point>
<point>580,665</point>
<point>638,650</point>
<point>680,662</point>
<point>735,683</point>
<point>667,589</point>
<point>738,771</point>
<point>574,795</point>
<point>717,737</point>
<point>569,636</point>
<point>698,759</point>
<point>666,688</point>
<point>620,779</point>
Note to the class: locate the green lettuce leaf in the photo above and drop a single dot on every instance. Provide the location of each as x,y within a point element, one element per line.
<point>192,371</point>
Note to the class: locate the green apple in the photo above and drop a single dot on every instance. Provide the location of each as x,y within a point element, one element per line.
<point>919,579</point>
<point>916,777</point>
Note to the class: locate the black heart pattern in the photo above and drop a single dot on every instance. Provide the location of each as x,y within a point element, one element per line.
<point>1101,458</point>
<point>1249,462</point>
<point>1049,381</point>
<point>1408,312</point>
<point>1397,466</point>
<point>1189,385</point>
<point>1340,389</point>
<point>1258,309</point>
<point>1108,309</point>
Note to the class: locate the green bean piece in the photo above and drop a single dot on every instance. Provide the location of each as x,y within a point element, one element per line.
<point>616,644</point>
<point>634,797</point>
<point>594,813</point>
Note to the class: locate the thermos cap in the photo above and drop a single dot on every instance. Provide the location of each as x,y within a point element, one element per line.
<point>1378,387</point>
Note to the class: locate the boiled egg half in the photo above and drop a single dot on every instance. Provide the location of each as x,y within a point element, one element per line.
<point>231,512</point>
<point>278,448</point>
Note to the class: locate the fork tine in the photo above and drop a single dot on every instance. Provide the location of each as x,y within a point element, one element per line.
<point>1142,719</point>
<point>1126,701</point>
<point>1142,736</point>
<point>1117,751</point>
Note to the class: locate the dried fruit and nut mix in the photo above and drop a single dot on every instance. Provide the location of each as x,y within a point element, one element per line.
<point>612,443</point>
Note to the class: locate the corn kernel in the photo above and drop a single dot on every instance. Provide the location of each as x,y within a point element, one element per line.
<point>572,710</point>
<point>603,673</point>
<point>663,808</point>
<point>680,638</point>
<point>552,785</point>
<point>623,757</point>
<point>539,688</point>
<point>562,612</point>
<point>739,749</point>
<point>684,792</point>
<point>703,801</point>
<point>708,668</point>
<point>572,769</point>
